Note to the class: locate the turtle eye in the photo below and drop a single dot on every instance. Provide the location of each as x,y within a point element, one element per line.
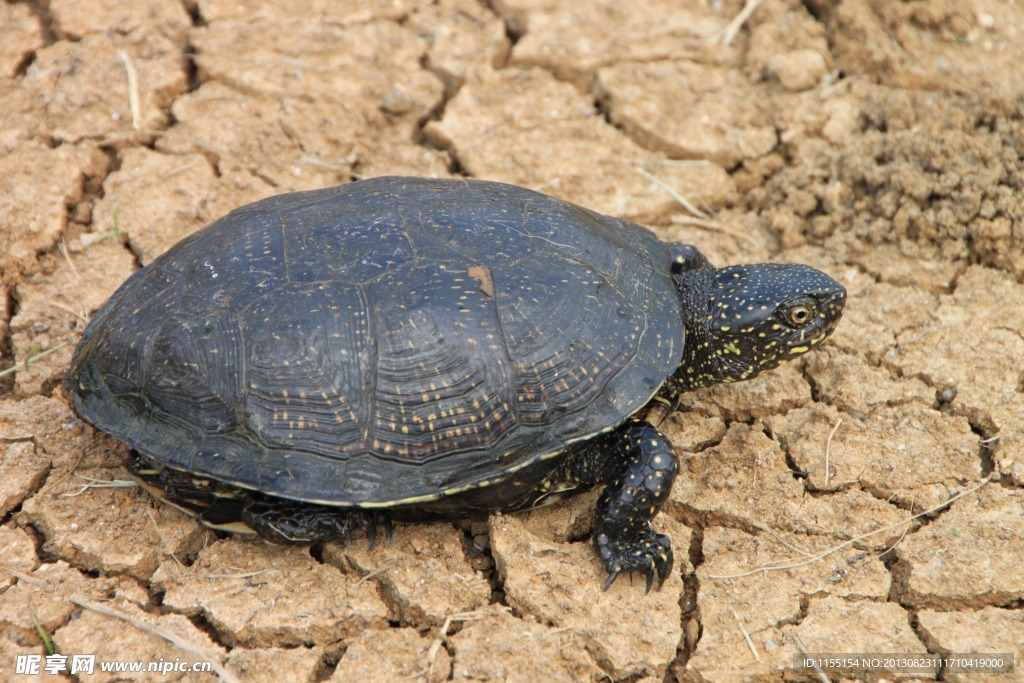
<point>799,315</point>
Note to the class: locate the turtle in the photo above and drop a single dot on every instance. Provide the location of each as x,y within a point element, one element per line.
<point>415,349</point>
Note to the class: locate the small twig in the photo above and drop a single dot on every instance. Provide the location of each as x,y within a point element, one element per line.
<point>785,543</point>
<point>793,564</point>
<point>17,438</point>
<point>310,161</point>
<point>898,540</point>
<point>828,451</point>
<point>107,483</point>
<point>70,472</point>
<point>21,576</point>
<point>713,226</point>
<point>736,24</point>
<point>159,534</point>
<point>63,249</point>
<point>174,171</point>
<point>99,484</point>
<point>672,193</point>
<point>803,650</point>
<point>68,309</point>
<point>128,136</point>
<point>133,88</point>
<point>117,221</point>
<point>33,354</point>
<point>746,636</point>
<point>181,567</point>
<point>246,575</point>
<point>174,639</point>
<point>376,572</point>
<point>700,219</point>
<point>832,83</point>
<point>436,645</point>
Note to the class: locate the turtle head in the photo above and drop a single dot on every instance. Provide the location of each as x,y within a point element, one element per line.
<point>743,320</point>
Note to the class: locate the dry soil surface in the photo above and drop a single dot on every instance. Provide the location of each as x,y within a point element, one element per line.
<point>879,141</point>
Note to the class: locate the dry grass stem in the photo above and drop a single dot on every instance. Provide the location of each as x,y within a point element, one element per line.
<point>241,575</point>
<point>828,451</point>
<point>898,540</point>
<point>793,564</point>
<point>62,247</point>
<point>786,544</point>
<point>803,650</point>
<point>92,483</point>
<point>68,309</point>
<point>21,576</point>
<point>173,638</point>
<point>746,636</point>
<point>133,136</point>
<point>376,572</point>
<point>32,357</point>
<point>133,88</point>
<point>713,226</point>
<point>436,645</point>
<point>675,195</point>
<point>737,23</point>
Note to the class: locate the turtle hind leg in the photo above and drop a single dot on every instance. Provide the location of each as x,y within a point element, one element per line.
<point>638,466</point>
<point>285,521</point>
<point>216,507</point>
<point>234,510</point>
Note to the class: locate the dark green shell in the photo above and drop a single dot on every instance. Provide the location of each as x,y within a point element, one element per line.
<point>382,342</point>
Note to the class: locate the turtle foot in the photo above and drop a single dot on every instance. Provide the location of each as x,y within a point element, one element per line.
<point>282,521</point>
<point>649,554</point>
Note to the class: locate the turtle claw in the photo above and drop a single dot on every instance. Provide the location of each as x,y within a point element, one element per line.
<point>649,574</point>
<point>371,532</point>
<point>650,554</point>
<point>371,521</point>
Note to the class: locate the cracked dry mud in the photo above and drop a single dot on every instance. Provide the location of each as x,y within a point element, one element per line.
<point>879,141</point>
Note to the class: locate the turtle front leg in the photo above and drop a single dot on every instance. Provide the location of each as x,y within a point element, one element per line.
<point>638,466</point>
<point>284,521</point>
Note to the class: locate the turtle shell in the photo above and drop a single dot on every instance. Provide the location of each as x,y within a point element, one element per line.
<point>383,342</point>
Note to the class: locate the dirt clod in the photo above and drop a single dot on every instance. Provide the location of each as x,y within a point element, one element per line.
<point>390,655</point>
<point>258,595</point>
<point>400,570</point>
